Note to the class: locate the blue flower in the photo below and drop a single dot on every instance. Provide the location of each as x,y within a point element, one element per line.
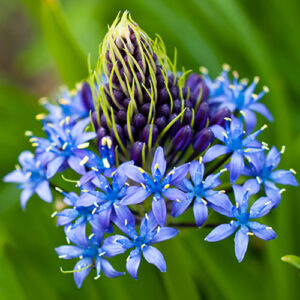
<point>91,253</point>
<point>103,164</point>
<point>157,185</point>
<point>243,220</point>
<point>32,178</point>
<point>236,143</point>
<point>237,96</point>
<point>76,104</point>
<point>108,199</point>
<point>263,169</point>
<point>150,234</point>
<point>201,193</point>
<point>64,146</point>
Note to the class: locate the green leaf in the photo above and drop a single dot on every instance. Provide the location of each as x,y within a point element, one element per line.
<point>292,260</point>
<point>69,57</point>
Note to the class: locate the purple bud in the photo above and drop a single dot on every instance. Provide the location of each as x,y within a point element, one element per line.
<point>95,120</point>
<point>133,132</point>
<point>145,109</point>
<point>126,102</point>
<point>160,81</point>
<point>218,118</point>
<point>139,120</point>
<point>202,140</point>
<point>183,138</point>
<point>120,134</point>
<point>146,95</point>
<point>195,83</point>
<point>175,127</point>
<point>163,110</point>
<point>187,117</point>
<point>146,132</point>
<point>161,123</point>
<point>119,96</point>
<point>87,97</point>
<point>177,106</point>
<point>175,92</point>
<point>121,114</point>
<point>193,80</point>
<point>163,95</point>
<point>103,121</point>
<point>201,116</point>
<point>136,152</point>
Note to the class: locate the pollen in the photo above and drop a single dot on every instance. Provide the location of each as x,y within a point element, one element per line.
<point>106,163</point>
<point>156,166</point>
<point>166,186</point>
<point>41,116</point>
<point>83,146</point>
<point>141,170</point>
<point>84,161</point>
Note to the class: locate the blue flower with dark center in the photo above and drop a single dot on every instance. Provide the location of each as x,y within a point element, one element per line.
<point>150,234</point>
<point>263,169</point>
<point>76,104</point>
<point>243,220</point>
<point>32,178</point>
<point>157,185</point>
<point>201,193</point>
<point>237,96</point>
<point>237,143</point>
<point>108,199</point>
<point>91,253</point>
<point>64,146</point>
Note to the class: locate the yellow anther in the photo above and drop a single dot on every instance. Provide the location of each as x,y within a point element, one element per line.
<point>282,149</point>
<point>282,191</point>
<point>224,170</point>
<point>248,190</point>
<point>62,256</point>
<point>143,246</point>
<point>28,133</point>
<point>69,228</point>
<point>43,100</point>
<point>116,206</point>
<point>266,89</point>
<point>178,200</point>
<point>250,233</point>
<point>293,171</point>
<point>63,101</point>
<point>221,78</point>
<point>158,229</point>
<point>225,134</point>
<point>264,127</point>
<point>243,113</point>
<point>28,174</point>
<point>141,170</point>
<point>143,186</point>
<point>41,116</point>
<point>102,253</point>
<point>49,148</point>
<point>67,120</point>
<point>227,119</point>
<point>254,96</point>
<point>226,67</point>
<point>65,146</point>
<point>68,240</point>
<point>203,70</point>
<point>104,141</point>
<point>235,74</point>
<point>34,144</point>
<point>85,191</point>
<point>58,189</point>
<point>231,86</point>
<point>73,92</point>
<point>50,125</point>
<point>115,240</point>
<point>96,204</point>
<point>265,147</point>
<point>84,160</point>
<point>53,214</point>
<point>83,146</point>
<point>109,143</point>
<point>125,222</point>
<point>204,201</point>
<point>200,159</point>
<point>244,80</point>
<point>61,123</point>
<point>269,228</point>
<point>91,235</point>
<point>166,186</point>
<point>156,166</point>
<point>97,277</point>
<point>94,169</point>
<point>94,210</point>
<point>231,222</point>
<point>267,203</point>
<point>237,205</point>
<point>256,79</point>
<point>34,139</point>
<point>146,216</point>
<point>106,163</point>
<point>258,180</point>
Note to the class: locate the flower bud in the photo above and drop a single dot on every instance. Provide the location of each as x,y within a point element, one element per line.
<point>201,116</point>
<point>202,140</point>
<point>183,138</point>
<point>219,117</point>
<point>137,151</point>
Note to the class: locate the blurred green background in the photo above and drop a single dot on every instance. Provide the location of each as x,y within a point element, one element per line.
<point>45,44</point>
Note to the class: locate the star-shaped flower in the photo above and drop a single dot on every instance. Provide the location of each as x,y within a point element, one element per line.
<point>157,185</point>
<point>243,220</point>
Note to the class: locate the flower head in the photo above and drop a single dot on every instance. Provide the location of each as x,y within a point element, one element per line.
<point>149,234</point>
<point>31,178</point>
<point>243,220</point>
<point>201,193</point>
<point>262,167</point>
<point>236,143</point>
<point>91,253</point>
<point>158,186</point>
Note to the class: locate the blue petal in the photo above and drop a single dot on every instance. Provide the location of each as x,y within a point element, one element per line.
<point>85,137</point>
<point>174,194</point>
<point>214,152</point>
<point>197,172</point>
<point>159,209</point>
<point>165,233</point>
<point>261,207</point>
<point>154,256</point>
<point>148,224</point>
<point>200,213</point>
<point>250,120</point>
<point>54,165</point>
<point>108,270</point>
<point>135,195</point>
<point>241,241</point>
<point>68,252</point>
<point>25,195</point>
<point>220,203</point>
<point>262,109</point>
<point>262,231</point>
<point>272,192</point>
<point>124,213</point>
<point>44,192</point>
<point>86,200</point>
<point>236,166</point>
<point>273,158</point>
<point>218,132</point>
<point>80,276</point>
<point>67,216</point>
<point>17,176</point>
<point>79,128</point>
<point>222,232</point>
<point>252,186</point>
<point>159,160</point>
<point>179,208</point>
<point>132,264</point>
<point>77,235</point>
<point>284,177</point>
<point>134,173</point>
<point>74,163</point>
<point>113,247</point>
<point>179,173</point>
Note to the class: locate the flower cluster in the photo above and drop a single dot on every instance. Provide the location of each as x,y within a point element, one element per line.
<point>146,143</point>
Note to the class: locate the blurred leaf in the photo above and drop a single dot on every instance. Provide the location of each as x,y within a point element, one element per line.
<point>292,260</point>
<point>70,59</point>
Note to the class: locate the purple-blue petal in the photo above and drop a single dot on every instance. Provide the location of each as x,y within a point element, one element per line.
<point>165,233</point>
<point>132,264</point>
<point>214,152</point>
<point>79,276</point>
<point>222,232</point>
<point>241,241</point>
<point>154,256</point>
